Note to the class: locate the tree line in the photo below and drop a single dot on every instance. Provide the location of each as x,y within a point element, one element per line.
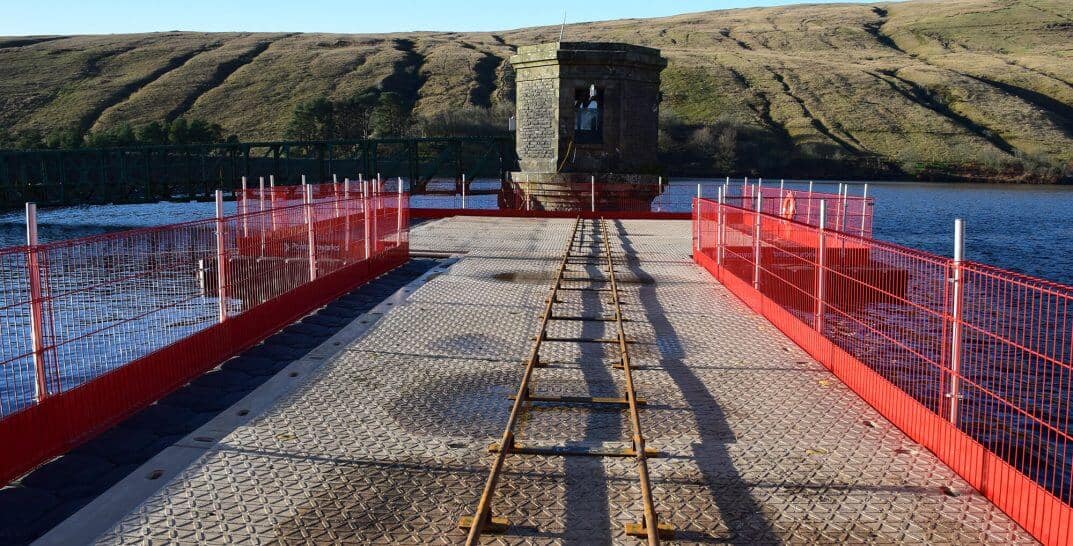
<point>374,113</point>
<point>177,131</point>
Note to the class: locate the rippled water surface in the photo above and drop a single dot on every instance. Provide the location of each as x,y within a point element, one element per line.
<point>1024,228</point>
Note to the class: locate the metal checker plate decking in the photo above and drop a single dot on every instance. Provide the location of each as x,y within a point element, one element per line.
<point>387,443</point>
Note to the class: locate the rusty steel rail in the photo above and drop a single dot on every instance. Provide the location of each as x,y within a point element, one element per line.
<point>649,527</point>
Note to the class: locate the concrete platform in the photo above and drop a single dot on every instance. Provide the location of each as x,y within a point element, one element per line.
<point>386,441</point>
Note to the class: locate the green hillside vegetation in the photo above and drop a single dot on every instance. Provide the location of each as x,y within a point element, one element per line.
<point>964,89</point>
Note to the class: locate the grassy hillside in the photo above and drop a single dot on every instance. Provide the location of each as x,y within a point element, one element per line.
<point>929,88</point>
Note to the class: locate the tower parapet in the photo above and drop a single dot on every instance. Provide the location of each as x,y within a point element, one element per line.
<point>587,109</point>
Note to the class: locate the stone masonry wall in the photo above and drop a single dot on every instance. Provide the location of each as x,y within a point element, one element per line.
<point>537,102</point>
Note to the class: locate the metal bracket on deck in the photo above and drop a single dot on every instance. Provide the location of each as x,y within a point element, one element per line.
<point>494,524</point>
<point>639,530</point>
<point>575,450</point>
<point>614,401</point>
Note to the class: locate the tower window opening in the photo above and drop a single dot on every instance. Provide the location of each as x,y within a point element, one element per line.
<point>589,125</point>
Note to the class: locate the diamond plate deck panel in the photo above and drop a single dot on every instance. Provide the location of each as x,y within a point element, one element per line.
<point>386,443</point>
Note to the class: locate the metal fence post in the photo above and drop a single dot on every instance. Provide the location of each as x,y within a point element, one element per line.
<point>756,243</point>
<point>367,210</point>
<point>719,219</point>
<point>864,208</point>
<point>398,207</point>
<point>221,256</point>
<point>261,212</point>
<point>808,216</point>
<point>843,208</point>
<point>696,226</point>
<point>311,229</point>
<point>272,200</point>
<point>245,209</point>
<point>463,191</point>
<point>821,266</point>
<point>335,197</point>
<point>957,309</point>
<point>346,220</point>
<point>37,318</point>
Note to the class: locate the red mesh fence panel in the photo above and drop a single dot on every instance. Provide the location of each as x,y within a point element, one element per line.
<point>979,374</point>
<point>95,328</point>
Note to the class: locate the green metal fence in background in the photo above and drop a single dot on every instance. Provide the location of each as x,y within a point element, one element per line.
<point>156,173</point>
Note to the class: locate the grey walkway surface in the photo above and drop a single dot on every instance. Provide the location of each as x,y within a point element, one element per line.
<point>386,442</point>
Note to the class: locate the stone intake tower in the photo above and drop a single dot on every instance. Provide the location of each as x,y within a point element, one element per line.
<point>587,109</point>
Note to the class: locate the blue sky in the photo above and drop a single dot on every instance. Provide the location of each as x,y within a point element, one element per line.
<point>22,17</point>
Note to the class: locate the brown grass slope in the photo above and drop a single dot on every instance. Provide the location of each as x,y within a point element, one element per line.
<point>965,82</point>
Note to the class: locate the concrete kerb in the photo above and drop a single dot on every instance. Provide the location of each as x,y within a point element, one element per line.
<point>84,526</point>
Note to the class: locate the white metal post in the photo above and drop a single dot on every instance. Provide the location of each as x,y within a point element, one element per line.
<point>838,205</point>
<point>261,211</point>
<point>463,191</point>
<point>272,200</point>
<point>592,192</point>
<point>695,209</point>
<point>864,208</point>
<point>756,243</point>
<point>311,230</point>
<point>335,198</point>
<point>376,213</point>
<point>782,187</point>
<point>954,391</point>
<point>821,267</point>
<point>366,210</point>
<point>723,227</point>
<point>719,217</point>
<point>759,191</point>
<point>398,212</point>
<point>845,205</point>
<point>221,256</point>
<point>244,210</point>
<point>808,216</point>
<point>37,318</point>
<point>346,220</point>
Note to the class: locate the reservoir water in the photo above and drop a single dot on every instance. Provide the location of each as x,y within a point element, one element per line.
<point>1024,228</point>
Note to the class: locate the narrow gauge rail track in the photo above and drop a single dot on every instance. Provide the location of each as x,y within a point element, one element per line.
<point>649,527</point>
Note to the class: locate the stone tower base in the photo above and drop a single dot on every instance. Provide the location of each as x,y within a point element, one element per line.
<point>573,191</point>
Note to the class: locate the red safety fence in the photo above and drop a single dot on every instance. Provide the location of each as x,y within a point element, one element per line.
<point>972,362</point>
<point>519,199</point>
<point>95,329</point>
<point>596,199</point>
<point>848,213</point>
